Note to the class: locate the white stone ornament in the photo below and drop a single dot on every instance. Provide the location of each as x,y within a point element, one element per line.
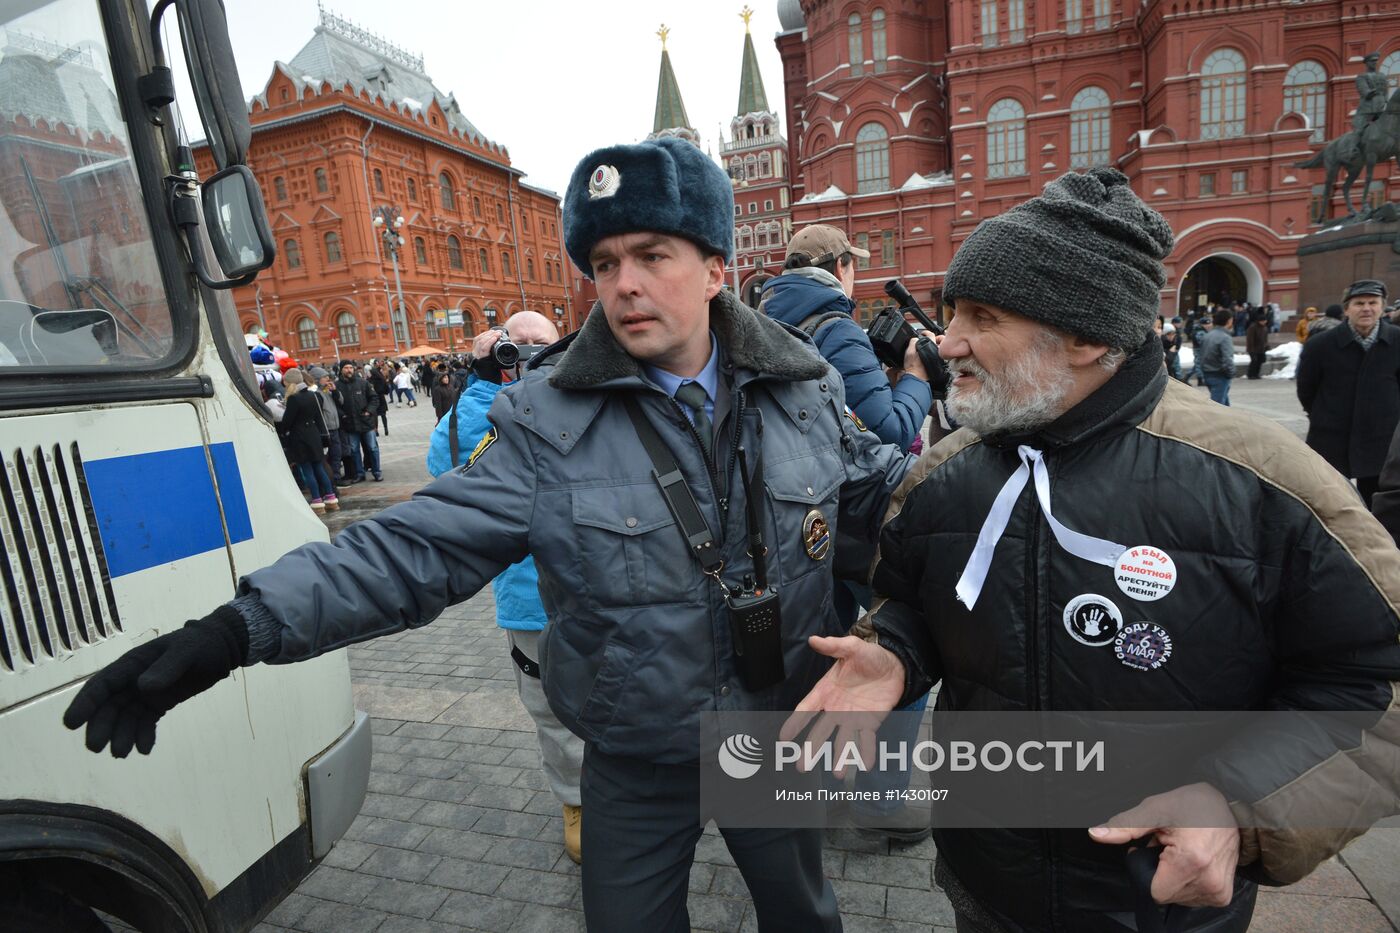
<point>603,183</point>
<point>1145,573</point>
<point>1093,620</point>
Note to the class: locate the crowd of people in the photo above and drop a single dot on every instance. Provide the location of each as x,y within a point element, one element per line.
<point>658,465</point>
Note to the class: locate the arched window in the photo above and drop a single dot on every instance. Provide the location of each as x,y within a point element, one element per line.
<point>745,237</point>
<point>332,247</point>
<point>484,258</point>
<point>476,206</point>
<point>765,165</point>
<point>1222,95</point>
<point>430,320</point>
<point>379,181</point>
<point>279,184</point>
<point>736,168</point>
<point>449,197</point>
<point>291,252</point>
<point>505,264</point>
<point>1089,128</point>
<point>750,167</point>
<point>529,268</point>
<point>454,252</point>
<point>420,251</point>
<point>854,44</point>
<point>872,159</point>
<point>322,183</point>
<point>348,328</point>
<point>1006,139</point>
<point>412,189</point>
<point>761,236</point>
<point>1390,67</point>
<point>306,334</point>
<point>1305,92</point>
<point>548,271</point>
<point>877,40</point>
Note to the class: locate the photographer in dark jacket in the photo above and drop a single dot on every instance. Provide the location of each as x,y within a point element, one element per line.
<point>359,409</point>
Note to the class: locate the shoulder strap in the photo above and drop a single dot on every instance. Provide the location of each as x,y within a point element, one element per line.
<point>679,499</point>
<point>453,445</point>
<point>815,322</point>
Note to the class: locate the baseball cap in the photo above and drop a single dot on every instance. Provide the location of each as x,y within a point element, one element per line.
<point>823,243</point>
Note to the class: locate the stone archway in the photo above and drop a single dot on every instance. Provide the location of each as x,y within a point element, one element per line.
<point>1218,278</point>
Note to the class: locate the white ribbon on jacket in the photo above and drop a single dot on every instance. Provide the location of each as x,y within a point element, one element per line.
<point>974,575</point>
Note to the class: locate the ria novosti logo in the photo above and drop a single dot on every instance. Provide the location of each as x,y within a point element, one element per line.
<point>740,756</point>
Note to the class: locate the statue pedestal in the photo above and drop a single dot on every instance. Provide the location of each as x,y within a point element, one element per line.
<point>1331,259</point>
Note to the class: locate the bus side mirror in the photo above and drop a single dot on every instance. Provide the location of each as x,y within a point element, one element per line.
<point>217,91</point>
<point>236,226</point>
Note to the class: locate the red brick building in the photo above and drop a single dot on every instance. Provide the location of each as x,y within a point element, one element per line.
<point>910,121</point>
<point>353,127</point>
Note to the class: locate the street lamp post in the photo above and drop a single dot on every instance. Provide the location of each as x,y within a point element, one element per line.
<point>388,220</point>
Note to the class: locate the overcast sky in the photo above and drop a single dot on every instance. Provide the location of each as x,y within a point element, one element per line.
<point>549,79</point>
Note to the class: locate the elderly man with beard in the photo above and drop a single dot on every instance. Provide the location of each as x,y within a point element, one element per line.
<point>1000,575</point>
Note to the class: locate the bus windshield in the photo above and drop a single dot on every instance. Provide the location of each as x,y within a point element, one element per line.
<point>80,284</point>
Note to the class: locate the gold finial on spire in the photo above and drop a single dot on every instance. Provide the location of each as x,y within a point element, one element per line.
<point>746,15</point>
<point>663,32</point>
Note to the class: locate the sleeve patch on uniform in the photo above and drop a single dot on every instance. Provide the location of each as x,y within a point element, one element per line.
<point>486,441</point>
<point>855,419</point>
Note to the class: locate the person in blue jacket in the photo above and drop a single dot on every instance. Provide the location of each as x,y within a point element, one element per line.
<point>517,589</point>
<point>819,275</point>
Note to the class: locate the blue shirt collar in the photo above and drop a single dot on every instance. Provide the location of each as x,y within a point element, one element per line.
<point>708,377</point>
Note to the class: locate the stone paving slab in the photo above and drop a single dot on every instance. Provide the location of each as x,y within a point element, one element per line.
<point>459,832</point>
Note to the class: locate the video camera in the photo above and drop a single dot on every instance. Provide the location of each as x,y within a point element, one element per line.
<point>890,334</point>
<point>505,354</point>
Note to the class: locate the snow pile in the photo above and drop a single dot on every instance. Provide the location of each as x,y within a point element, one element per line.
<point>1289,353</point>
<point>1187,356</point>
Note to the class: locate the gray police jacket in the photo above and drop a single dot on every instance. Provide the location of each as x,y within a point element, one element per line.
<point>638,643</point>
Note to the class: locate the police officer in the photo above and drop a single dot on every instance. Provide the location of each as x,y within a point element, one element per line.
<point>640,639</point>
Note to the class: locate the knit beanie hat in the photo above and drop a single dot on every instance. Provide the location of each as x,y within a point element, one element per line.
<point>317,373</point>
<point>1085,256</point>
<point>664,185</point>
<point>292,376</point>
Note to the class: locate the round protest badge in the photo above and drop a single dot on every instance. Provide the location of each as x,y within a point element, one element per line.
<point>1143,646</point>
<point>1093,620</point>
<point>1145,573</point>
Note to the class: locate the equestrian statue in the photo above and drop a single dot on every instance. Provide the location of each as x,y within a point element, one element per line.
<point>1373,139</point>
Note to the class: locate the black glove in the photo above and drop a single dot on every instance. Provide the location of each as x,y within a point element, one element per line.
<point>122,703</point>
<point>938,375</point>
<point>487,368</point>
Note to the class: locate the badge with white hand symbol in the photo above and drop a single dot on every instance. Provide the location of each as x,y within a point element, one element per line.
<point>1093,620</point>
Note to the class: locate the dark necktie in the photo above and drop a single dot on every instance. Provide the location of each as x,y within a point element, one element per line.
<point>693,395</point>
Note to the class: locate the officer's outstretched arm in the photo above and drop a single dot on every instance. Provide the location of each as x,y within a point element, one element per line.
<point>397,570</point>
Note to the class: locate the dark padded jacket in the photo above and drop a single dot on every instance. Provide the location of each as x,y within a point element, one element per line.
<point>359,405</point>
<point>1286,598</point>
<point>1352,397</point>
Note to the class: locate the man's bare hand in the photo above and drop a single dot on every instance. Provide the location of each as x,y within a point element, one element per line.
<point>481,346</point>
<point>851,699</point>
<point>912,364</point>
<point>1197,866</point>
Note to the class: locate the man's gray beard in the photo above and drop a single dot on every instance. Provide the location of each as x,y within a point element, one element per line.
<point>1027,395</point>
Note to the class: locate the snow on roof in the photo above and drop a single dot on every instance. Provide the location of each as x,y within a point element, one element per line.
<point>830,194</point>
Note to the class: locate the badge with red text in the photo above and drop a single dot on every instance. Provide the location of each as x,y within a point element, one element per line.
<point>1093,620</point>
<point>1145,573</point>
<point>1143,646</point>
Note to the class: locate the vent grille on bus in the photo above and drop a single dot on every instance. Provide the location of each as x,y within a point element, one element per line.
<point>57,592</point>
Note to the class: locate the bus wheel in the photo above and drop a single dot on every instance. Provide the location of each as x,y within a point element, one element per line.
<point>36,906</point>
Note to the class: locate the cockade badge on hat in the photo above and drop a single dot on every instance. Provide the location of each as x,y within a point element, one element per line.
<point>603,182</point>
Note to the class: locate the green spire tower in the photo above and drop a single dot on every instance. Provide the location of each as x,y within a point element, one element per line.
<point>670,118</point>
<point>752,99</point>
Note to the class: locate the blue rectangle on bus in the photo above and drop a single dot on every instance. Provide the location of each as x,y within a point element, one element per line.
<point>160,507</point>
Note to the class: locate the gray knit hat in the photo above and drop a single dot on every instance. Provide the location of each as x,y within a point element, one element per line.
<point>1085,256</point>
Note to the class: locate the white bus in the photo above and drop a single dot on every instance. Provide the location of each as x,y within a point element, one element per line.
<point>140,477</point>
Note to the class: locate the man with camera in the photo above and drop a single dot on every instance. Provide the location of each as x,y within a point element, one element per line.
<point>813,294</point>
<point>517,589</point>
<point>622,461</point>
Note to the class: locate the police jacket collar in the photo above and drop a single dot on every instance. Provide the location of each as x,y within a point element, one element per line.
<point>1119,404</point>
<point>748,340</point>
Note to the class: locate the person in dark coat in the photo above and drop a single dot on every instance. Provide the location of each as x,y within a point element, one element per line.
<point>305,435</point>
<point>1349,384</point>
<point>443,394</point>
<point>1256,342</point>
<point>358,414</point>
